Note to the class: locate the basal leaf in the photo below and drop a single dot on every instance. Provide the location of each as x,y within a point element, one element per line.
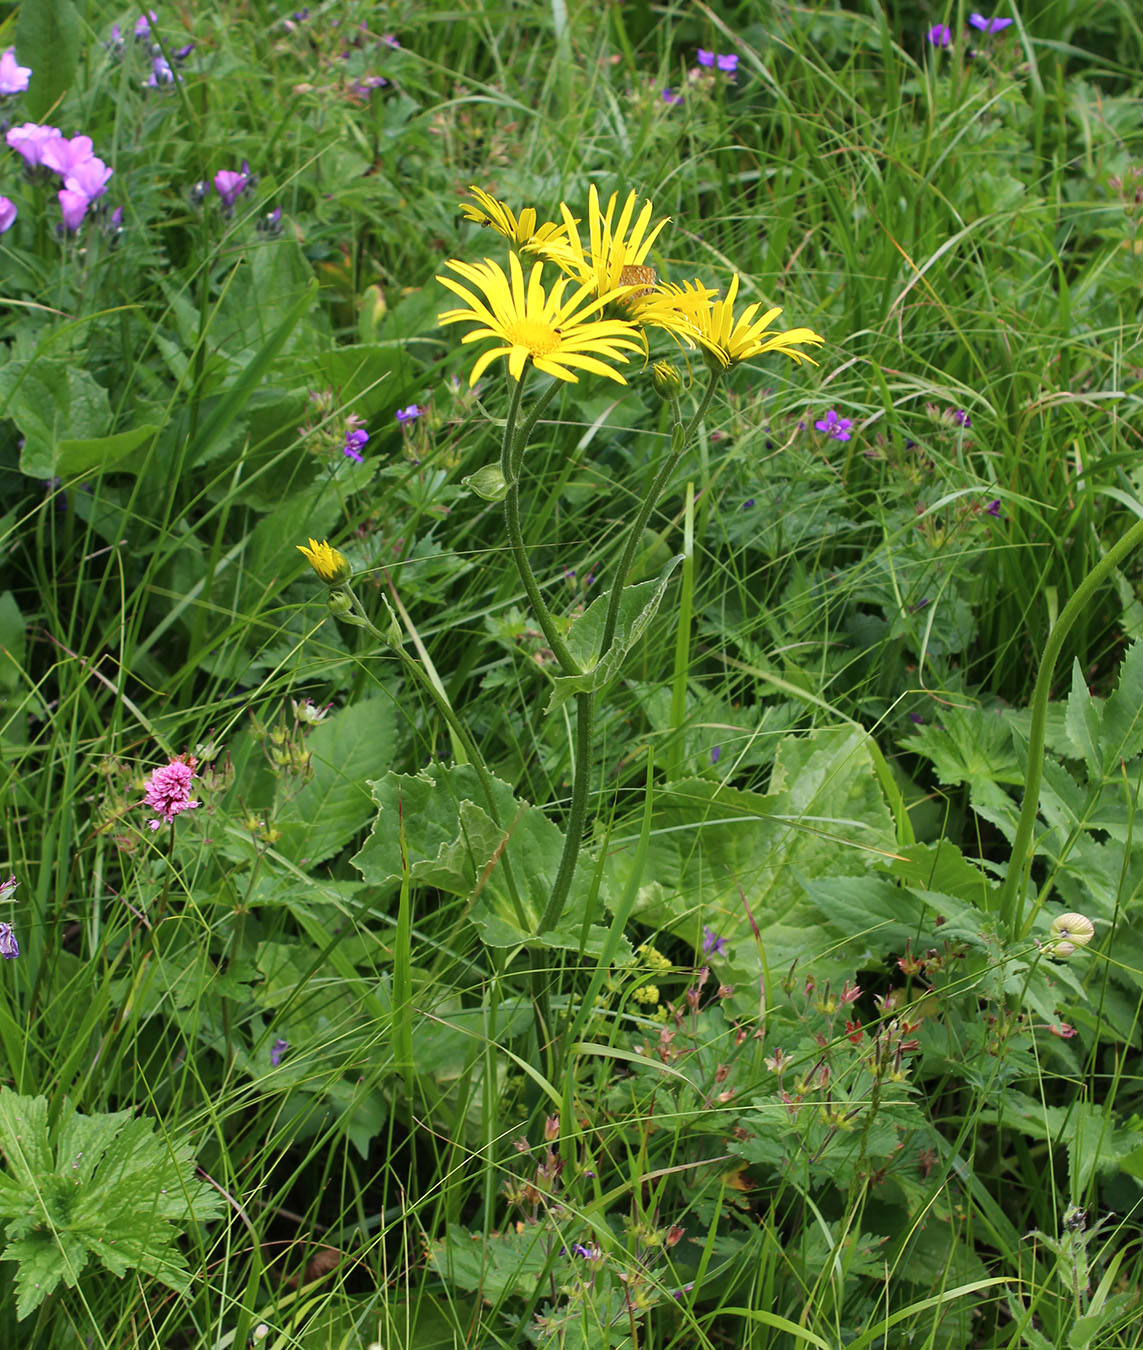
<point>348,749</point>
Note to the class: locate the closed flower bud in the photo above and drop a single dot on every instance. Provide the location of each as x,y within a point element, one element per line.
<point>1072,931</point>
<point>667,381</point>
<point>340,604</point>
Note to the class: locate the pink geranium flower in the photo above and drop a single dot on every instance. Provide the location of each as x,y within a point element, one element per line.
<point>29,140</point>
<point>63,154</point>
<point>90,178</point>
<point>13,76</point>
<point>168,791</point>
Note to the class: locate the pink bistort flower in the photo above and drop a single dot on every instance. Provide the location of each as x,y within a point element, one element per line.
<point>168,791</point>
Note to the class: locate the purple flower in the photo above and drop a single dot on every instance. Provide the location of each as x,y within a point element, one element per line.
<point>355,443</point>
<point>64,154</point>
<point>390,41</point>
<point>411,413</point>
<point>9,947</point>
<point>671,98</point>
<point>712,944</point>
<point>940,35</point>
<point>29,141</point>
<point>993,508</point>
<point>73,207</point>
<point>727,63</point>
<point>144,22</point>
<point>961,418</point>
<point>7,214</point>
<point>716,754</point>
<point>271,222</point>
<point>368,84</point>
<point>13,77</point>
<point>838,428</point>
<point>90,178</point>
<point>161,73</point>
<point>277,1050</point>
<point>917,719</point>
<point>705,58</point>
<point>988,25</point>
<point>748,503</point>
<point>229,184</point>
<point>180,54</point>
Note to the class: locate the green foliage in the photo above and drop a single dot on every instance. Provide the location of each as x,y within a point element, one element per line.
<point>102,1186</point>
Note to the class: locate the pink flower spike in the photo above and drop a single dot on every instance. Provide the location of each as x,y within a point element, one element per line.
<point>168,791</point>
<point>90,178</point>
<point>73,206</point>
<point>63,155</point>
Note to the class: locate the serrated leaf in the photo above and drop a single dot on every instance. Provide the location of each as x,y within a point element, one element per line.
<point>509,1264</point>
<point>1082,721</point>
<point>104,1186</point>
<point>51,401</point>
<point>717,850</point>
<point>348,749</point>
<point>638,606</point>
<point>1122,737</point>
<point>970,744</point>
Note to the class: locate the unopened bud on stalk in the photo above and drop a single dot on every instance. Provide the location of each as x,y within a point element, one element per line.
<point>666,380</point>
<point>1068,932</point>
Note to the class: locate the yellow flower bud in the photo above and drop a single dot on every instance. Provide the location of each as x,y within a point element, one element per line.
<point>667,381</point>
<point>330,564</point>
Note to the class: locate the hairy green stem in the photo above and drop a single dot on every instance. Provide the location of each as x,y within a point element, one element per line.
<point>511,455</point>
<point>679,439</point>
<point>577,815</point>
<point>1023,849</point>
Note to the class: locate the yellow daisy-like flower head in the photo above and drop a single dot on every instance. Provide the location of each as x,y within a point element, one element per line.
<point>555,335</point>
<point>612,244</point>
<point>522,230</point>
<point>729,340</point>
<point>330,564</point>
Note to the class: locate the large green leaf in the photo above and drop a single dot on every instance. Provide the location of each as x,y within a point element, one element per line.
<point>504,865</point>
<point>53,403</point>
<point>721,857</point>
<point>348,748</point>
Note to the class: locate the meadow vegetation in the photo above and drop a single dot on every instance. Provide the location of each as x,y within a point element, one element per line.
<point>601,816</point>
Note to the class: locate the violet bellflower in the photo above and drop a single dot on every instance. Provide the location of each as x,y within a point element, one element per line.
<point>90,178</point>
<point>940,35</point>
<point>144,22</point>
<point>29,140</point>
<point>9,947</point>
<point>277,1050</point>
<point>7,214</point>
<point>835,427</point>
<point>728,63</point>
<point>983,25</point>
<point>705,58</point>
<point>355,442</point>
<point>411,413</point>
<point>13,76</point>
<point>230,184</point>
<point>712,944</point>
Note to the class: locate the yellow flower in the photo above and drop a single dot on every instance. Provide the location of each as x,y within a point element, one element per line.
<point>522,229</point>
<point>611,247</point>
<point>557,336</point>
<point>331,565</point>
<point>730,340</point>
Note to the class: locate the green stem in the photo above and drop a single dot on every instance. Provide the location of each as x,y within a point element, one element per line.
<point>577,815</point>
<point>679,439</point>
<point>456,726</point>
<point>1023,849</point>
<point>511,454</point>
